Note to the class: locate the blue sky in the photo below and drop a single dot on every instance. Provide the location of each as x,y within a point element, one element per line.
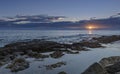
<point>81,9</point>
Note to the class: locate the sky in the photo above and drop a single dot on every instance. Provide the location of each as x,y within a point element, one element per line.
<point>77,9</point>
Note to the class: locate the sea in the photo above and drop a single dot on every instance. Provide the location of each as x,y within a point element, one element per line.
<point>75,63</point>
<point>62,36</point>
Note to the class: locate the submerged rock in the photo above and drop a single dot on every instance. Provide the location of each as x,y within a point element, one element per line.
<point>57,54</point>
<point>56,65</point>
<point>95,68</point>
<point>18,64</point>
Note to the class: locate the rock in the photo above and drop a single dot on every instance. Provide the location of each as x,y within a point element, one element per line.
<point>18,64</point>
<point>56,65</point>
<point>95,68</point>
<point>107,39</point>
<point>110,65</point>
<point>1,63</point>
<point>34,45</point>
<point>87,44</point>
<point>2,57</point>
<point>78,47</point>
<point>112,69</point>
<point>37,55</point>
<point>62,72</point>
<point>57,54</point>
<point>109,61</point>
<point>72,52</point>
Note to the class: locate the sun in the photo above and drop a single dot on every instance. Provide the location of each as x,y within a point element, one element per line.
<point>90,27</point>
<point>93,26</point>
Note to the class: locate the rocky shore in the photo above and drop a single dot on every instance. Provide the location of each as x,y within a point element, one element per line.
<point>16,53</point>
<point>110,65</point>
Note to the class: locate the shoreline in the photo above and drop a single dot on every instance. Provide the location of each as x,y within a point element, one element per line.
<point>23,49</point>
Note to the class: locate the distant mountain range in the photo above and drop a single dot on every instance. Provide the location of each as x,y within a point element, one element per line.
<point>44,22</point>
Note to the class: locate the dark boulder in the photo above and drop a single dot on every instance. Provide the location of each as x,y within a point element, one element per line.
<point>112,69</point>
<point>109,61</point>
<point>110,65</point>
<point>95,68</point>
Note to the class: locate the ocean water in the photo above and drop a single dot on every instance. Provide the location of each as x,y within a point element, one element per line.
<point>63,36</point>
<point>75,63</point>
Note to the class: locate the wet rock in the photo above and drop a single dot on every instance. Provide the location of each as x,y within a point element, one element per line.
<point>18,64</point>
<point>1,64</point>
<point>12,57</point>
<point>34,45</point>
<point>37,55</point>
<point>3,52</point>
<point>56,65</point>
<point>72,52</point>
<point>87,44</point>
<point>95,68</point>
<point>78,47</point>
<point>107,39</point>
<point>2,57</point>
<point>112,69</point>
<point>109,61</point>
<point>57,54</point>
<point>39,46</point>
<point>110,65</point>
<point>62,72</point>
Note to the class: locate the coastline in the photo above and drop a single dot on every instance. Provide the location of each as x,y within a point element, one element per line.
<point>53,49</point>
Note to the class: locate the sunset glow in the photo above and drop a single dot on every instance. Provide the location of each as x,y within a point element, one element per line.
<point>90,27</point>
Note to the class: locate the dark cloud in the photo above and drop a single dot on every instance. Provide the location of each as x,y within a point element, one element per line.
<point>46,22</point>
<point>33,18</point>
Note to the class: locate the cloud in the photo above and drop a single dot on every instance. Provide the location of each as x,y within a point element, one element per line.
<point>22,22</point>
<point>55,22</point>
<point>33,18</point>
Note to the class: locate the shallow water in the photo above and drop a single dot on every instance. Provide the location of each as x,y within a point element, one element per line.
<point>76,63</point>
